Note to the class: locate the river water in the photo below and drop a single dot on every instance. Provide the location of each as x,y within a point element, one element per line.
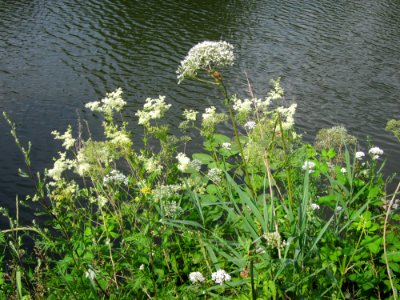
<point>339,60</point>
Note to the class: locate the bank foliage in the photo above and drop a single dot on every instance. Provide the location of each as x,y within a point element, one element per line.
<point>258,214</point>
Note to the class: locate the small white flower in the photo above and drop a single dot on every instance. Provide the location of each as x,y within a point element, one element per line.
<point>220,276</point>
<point>343,170</point>
<point>308,165</point>
<point>314,206</point>
<point>375,152</point>
<point>338,208</point>
<point>226,146</point>
<point>196,277</point>
<point>141,268</point>
<point>360,155</point>
<point>250,125</point>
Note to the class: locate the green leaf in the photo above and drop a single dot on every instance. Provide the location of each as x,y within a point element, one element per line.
<point>203,158</point>
<point>373,243</point>
<point>221,138</point>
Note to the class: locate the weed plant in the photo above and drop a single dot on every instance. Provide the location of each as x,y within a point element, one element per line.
<point>256,215</point>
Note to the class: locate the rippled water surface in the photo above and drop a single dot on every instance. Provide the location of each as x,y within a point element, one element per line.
<point>339,60</point>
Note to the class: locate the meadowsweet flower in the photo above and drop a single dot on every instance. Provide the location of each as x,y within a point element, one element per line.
<point>250,125</point>
<point>343,170</point>
<point>196,277</point>
<point>206,56</point>
<point>360,155</point>
<point>183,162</point>
<point>112,101</point>
<point>69,141</point>
<point>116,177</point>
<point>338,209</point>
<point>314,206</point>
<point>190,114</point>
<point>242,106</point>
<point>287,114</point>
<point>226,146</point>
<point>60,165</point>
<point>141,267</point>
<point>152,109</point>
<point>220,276</point>
<point>308,165</point>
<point>375,152</point>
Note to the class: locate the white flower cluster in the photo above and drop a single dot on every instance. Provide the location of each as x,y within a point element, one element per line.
<point>211,119</point>
<point>60,165</point>
<point>151,164</point>
<point>115,176</point>
<point>220,276</point>
<point>250,125</point>
<point>360,155</point>
<point>309,165</point>
<point>69,141</point>
<point>206,56</point>
<point>288,114</point>
<point>190,114</point>
<point>152,109</point>
<point>242,106</point>
<point>214,175</point>
<point>185,164</point>
<point>196,277</point>
<point>375,152</point>
<point>112,101</point>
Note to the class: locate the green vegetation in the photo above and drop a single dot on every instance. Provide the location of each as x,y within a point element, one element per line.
<point>259,215</point>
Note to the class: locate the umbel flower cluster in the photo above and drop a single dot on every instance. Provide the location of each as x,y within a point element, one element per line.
<point>206,56</point>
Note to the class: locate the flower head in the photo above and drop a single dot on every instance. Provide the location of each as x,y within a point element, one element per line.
<point>375,152</point>
<point>152,109</point>
<point>360,155</point>
<point>206,56</point>
<point>220,276</point>
<point>112,101</point>
<point>196,277</point>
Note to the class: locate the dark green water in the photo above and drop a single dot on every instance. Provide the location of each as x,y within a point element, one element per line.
<point>339,60</point>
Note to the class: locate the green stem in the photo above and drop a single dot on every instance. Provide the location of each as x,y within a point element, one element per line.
<point>227,101</point>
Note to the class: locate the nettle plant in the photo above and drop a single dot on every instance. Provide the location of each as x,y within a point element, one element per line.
<point>257,215</point>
